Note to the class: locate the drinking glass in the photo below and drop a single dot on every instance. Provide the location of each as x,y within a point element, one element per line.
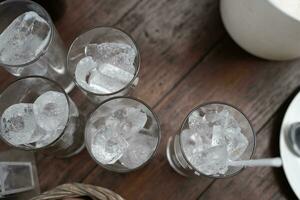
<point>122,134</point>
<point>32,116</point>
<point>44,57</point>
<point>98,36</point>
<point>176,154</point>
<point>17,177</point>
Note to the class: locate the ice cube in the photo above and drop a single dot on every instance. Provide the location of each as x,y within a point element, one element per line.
<point>224,114</point>
<point>196,120</point>
<point>83,71</point>
<point>91,50</point>
<point>231,122</point>
<point>18,124</point>
<point>136,118</point>
<point>128,121</point>
<point>139,150</point>
<point>226,119</point>
<point>211,116</point>
<point>24,39</point>
<point>218,136</point>
<point>237,143</point>
<point>45,137</point>
<point>121,127</point>
<point>83,68</point>
<point>107,147</point>
<point>212,161</point>
<point>104,83</point>
<point>192,141</point>
<point>99,77</point>
<point>116,73</point>
<point>51,111</point>
<point>66,139</point>
<point>118,54</point>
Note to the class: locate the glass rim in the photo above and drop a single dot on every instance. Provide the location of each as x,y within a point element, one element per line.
<point>137,69</point>
<point>152,154</point>
<point>44,51</point>
<point>220,103</point>
<point>63,131</point>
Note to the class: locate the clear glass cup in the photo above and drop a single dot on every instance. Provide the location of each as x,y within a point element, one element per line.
<point>68,139</point>
<point>177,157</point>
<point>49,60</point>
<point>142,143</point>
<point>100,35</point>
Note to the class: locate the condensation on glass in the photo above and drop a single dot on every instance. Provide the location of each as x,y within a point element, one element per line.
<point>100,35</point>
<point>150,132</point>
<point>178,159</point>
<point>50,61</point>
<point>67,142</point>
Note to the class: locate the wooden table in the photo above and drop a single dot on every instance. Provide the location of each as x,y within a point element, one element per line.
<point>187,59</point>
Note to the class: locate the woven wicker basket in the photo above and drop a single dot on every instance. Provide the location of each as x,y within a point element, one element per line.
<point>76,191</point>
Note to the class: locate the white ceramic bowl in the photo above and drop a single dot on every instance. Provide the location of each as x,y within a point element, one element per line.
<point>269,29</point>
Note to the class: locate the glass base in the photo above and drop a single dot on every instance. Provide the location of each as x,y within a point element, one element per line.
<point>173,163</point>
<point>73,153</point>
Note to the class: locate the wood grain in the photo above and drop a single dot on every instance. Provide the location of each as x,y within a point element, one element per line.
<point>186,60</point>
<point>5,79</point>
<point>83,15</point>
<point>229,75</point>
<point>173,36</point>
<point>162,66</point>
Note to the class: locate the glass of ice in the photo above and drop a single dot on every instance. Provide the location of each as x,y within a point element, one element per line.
<point>211,136</point>
<point>104,62</point>
<point>37,114</point>
<point>30,44</point>
<point>122,134</point>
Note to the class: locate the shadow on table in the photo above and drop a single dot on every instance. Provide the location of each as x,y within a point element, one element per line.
<point>56,9</point>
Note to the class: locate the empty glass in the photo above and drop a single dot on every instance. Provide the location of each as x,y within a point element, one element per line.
<point>16,177</point>
<point>18,173</point>
<point>122,134</point>
<point>30,44</point>
<point>37,114</point>
<point>104,62</point>
<point>211,136</point>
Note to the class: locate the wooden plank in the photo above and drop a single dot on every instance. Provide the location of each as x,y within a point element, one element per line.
<point>83,15</point>
<point>5,79</point>
<point>196,28</point>
<point>257,183</point>
<point>228,74</point>
<point>172,36</point>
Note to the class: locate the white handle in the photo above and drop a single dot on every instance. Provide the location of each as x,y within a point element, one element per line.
<point>266,162</point>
